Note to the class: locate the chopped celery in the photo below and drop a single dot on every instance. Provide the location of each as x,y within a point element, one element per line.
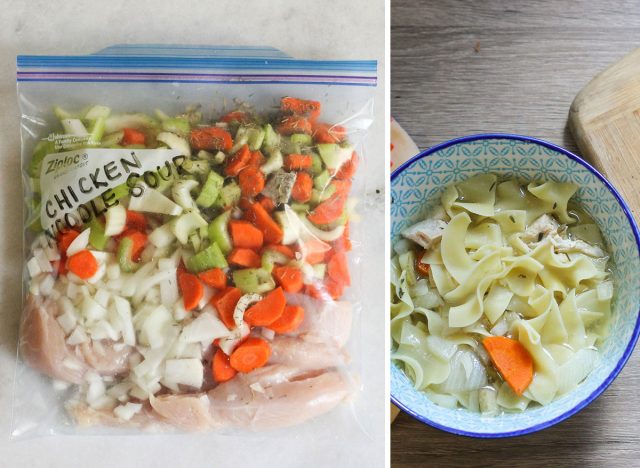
<point>333,155</point>
<point>322,180</point>
<point>211,257</point>
<point>175,142</point>
<point>74,127</point>
<point>256,137</point>
<point>161,115</point>
<point>253,280</point>
<point>301,140</point>
<point>204,154</point>
<point>117,122</point>
<point>125,255</point>
<point>271,138</point>
<point>300,207</point>
<point>61,113</point>
<point>229,195</point>
<point>178,125</point>
<point>219,233</point>
<point>112,139</point>
<point>96,131</point>
<point>97,238</point>
<point>43,148</point>
<point>271,257</point>
<point>210,191</point>
<point>316,164</point>
<point>196,166</point>
<point>195,241</point>
<point>274,162</point>
<point>318,196</point>
<point>97,112</point>
<point>185,224</point>
<point>181,193</point>
<point>287,146</point>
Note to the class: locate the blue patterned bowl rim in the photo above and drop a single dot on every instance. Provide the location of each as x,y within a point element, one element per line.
<point>636,331</point>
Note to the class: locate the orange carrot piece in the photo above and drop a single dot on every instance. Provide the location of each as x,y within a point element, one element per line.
<point>251,181</point>
<point>136,220</point>
<point>245,235</point>
<point>211,138</point>
<point>225,303</point>
<point>267,203</point>
<point>221,367</point>
<point>256,159</point>
<point>512,360</point>
<point>300,107</point>
<point>302,188</point>
<point>245,258</point>
<point>263,220</point>
<point>343,243</point>
<point>238,161</point>
<point>283,249</point>
<point>289,321</point>
<point>338,269</point>
<point>268,310</point>
<point>215,277</point>
<point>237,117</point>
<point>291,124</point>
<point>65,238</point>
<point>348,169</point>
<point>334,288</point>
<point>251,354</point>
<point>341,186</point>
<point>83,264</point>
<point>325,133</point>
<point>314,251</point>
<point>329,210</point>
<point>131,136</point>
<point>423,268</point>
<point>297,162</point>
<point>138,239</point>
<point>289,278</point>
<point>191,289</point>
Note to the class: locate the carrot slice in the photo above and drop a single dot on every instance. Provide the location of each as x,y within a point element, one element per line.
<point>245,235</point>
<point>302,188</point>
<point>289,278</point>
<point>131,136</point>
<point>343,243</point>
<point>191,289</point>
<point>300,107</point>
<point>263,220</point>
<point>338,269</point>
<point>329,210</point>
<point>65,238</point>
<point>297,162</point>
<point>225,303</point>
<point>334,288</point>
<point>238,161</point>
<point>215,277</point>
<point>83,264</point>
<point>138,239</point>
<point>348,169</point>
<point>268,310</point>
<point>291,124</point>
<point>423,268</point>
<point>325,133</point>
<point>251,180</point>
<point>221,368</point>
<point>237,117</point>
<point>314,251</point>
<point>256,159</point>
<point>211,138</point>
<point>289,321</point>
<point>512,360</point>
<point>246,258</point>
<point>136,220</point>
<point>251,354</point>
<point>267,203</point>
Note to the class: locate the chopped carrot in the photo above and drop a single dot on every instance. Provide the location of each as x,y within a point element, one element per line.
<point>334,288</point>
<point>342,243</point>
<point>131,136</point>
<point>512,360</point>
<point>297,106</point>
<point>348,169</point>
<point>244,203</point>
<point>221,368</point>
<point>291,124</point>
<point>65,238</point>
<point>251,354</point>
<point>215,277</point>
<point>314,251</point>
<point>329,210</point>
<point>225,303</point>
<point>267,203</point>
<point>83,264</point>
<point>251,180</point>
<point>423,268</point>
<point>138,239</point>
<point>283,249</point>
<point>341,186</point>
<point>263,220</point>
<point>236,117</point>
<point>245,235</point>
<point>289,278</point>
<point>246,258</point>
<point>268,310</point>
<point>325,133</point>
<point>325,291</point>
<point>191,289</point>
<point>289,321</point>
<point>136,220</point>
<point>338,269</point>
<point>301,191</point>
<point>238,161</point>
<point>211,138</point>
<point>297,162</point>
<point>256,159</point>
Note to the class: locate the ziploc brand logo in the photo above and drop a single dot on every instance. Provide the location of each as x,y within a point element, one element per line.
<point>79,186</point>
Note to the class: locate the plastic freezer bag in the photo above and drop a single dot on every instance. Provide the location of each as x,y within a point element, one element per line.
<point>192,241</point>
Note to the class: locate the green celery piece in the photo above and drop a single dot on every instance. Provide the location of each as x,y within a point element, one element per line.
<point>211,190</point>
<point>62,114</point>
<point>271,138</point>
<point>196,242</point>
<point>322,180</point>
<point>270,258</point>
<point>178,125</point>
<point>287,146</point>
<point>255,138</point>
<point>229,195</point>
<point>97,237</point>
<point>219,233</point>
<point>301,139</point>
<point>318,196</point>
<point>43,148</point>
<point>300,207</point>
<point>253,280</point>
<point>112,139</point>
<point>197,166</point>
<point>125,256</point>
<point>316,164</point>
<point>211,257</point>
<point>96,131</point>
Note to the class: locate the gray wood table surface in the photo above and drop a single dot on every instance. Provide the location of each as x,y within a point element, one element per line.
<point>459,68</point>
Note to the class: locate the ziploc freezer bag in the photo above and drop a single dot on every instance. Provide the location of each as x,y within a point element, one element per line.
<point>192,239</point>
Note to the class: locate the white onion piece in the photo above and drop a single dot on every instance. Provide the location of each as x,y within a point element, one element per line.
<point>51,253</point>
<point>467,373</point>
<point>162,236</point>
<point>113,271</point>
<point>488,401</point>
<point>67,321</point>
<point>169,292</point>
<point>46,285</point>
<point>43,262</point>
<point>152,281</point>
<point>131,284</point>
<point>205,328</point>
<point>92,311</point>
<point>102,297</point>
<point>184,371</point>
<point>127,411</point>
<point>229,343</point>
<point>78,336</point>
<point>207,294</point>
<point>327,236</point>
<point>33,267</point>
<point>153,330</point>
<point>123,308</point>
<point>500,328</point>
<point>605,291</point>
<point>115,221</point>
<point>79,243</point>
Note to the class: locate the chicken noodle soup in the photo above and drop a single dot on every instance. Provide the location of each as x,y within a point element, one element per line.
<point>189,273</point>
<point>501,296</point>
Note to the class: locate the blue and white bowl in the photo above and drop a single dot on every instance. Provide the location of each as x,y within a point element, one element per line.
<point>416,187</point>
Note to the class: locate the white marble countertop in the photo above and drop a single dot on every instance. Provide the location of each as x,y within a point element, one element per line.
<point>304,29</point>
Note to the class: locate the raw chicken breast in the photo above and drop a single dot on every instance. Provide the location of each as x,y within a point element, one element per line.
<point>329,322</point>
<point>305,354</point>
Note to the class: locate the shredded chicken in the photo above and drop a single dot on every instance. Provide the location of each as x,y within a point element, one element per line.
<point>425,233</point>
<point>541,227</point>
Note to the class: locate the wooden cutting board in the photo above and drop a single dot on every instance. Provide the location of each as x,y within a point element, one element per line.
<point>605,121</point>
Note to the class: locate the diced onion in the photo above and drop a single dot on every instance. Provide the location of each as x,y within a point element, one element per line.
<point>184,371</point>
<point>205,328</point>
<point>127,411</point>
<point>79,243</point>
